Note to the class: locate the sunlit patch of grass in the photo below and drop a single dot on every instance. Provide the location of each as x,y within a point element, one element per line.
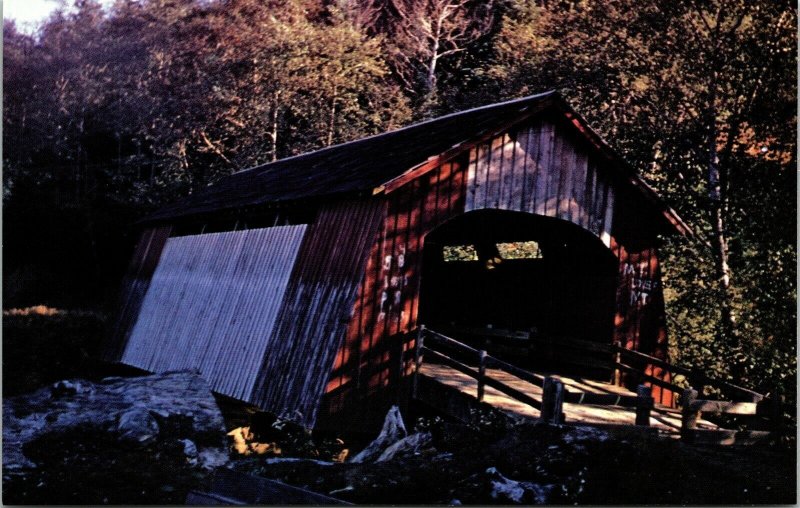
<point>36,310</point>
<point>44,310</point>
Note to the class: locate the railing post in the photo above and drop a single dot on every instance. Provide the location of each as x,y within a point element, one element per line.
<point>481,374</point>
<point>417,359</point>
<point>644,405</point>
<point>777,414</point>
<point>401,388</point>
<point>552,400</point>
<point>617,361</point>
<point>688,415</point>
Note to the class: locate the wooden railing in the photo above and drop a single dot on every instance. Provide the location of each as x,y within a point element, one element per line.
<point>619,360</point>
<point>748,403</point>
<point>554,394</point>
<point>692,409</point>
<point>695,377</point>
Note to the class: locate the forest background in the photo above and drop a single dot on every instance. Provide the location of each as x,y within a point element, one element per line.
<point>110,111</point>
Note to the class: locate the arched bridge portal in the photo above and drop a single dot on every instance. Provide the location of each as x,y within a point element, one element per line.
<point>518,283</point>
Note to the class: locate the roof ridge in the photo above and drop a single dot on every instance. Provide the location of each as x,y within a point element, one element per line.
<point>404,128</point>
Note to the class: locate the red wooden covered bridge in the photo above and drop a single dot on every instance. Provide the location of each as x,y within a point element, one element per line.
<point>295,285</point>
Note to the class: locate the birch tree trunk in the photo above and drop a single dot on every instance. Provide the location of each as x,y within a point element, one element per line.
<point>719,236</point>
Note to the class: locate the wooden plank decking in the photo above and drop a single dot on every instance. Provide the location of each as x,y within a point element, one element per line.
<point>666,420</point>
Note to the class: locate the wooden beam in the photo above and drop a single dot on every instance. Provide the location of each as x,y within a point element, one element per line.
<point>725,437</point>
<point>601,399</point>
<point>650,379</point>
<point>516,371</point>
<point>438,338</point>
<point>417,359</point>
<point>688,416</point>
<point>481,374</point>
<point>720,407</point>
<point>692,374</point>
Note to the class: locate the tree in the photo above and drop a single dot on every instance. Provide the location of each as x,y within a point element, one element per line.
<point>427,31</point>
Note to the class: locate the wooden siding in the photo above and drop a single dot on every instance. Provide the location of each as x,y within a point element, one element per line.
<point>317,309</point>
<point>541,169</point>
<point>134,287</point>
<point>388,295</point>
<point>640,319</point>
<point>212,304</point>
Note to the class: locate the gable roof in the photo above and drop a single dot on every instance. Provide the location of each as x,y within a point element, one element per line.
<point>367,165</point>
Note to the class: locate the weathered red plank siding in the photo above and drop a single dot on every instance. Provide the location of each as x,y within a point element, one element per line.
<point>134,287</point>
<point>640,321</point>
<point>317,308</point>
<point>388,298</point>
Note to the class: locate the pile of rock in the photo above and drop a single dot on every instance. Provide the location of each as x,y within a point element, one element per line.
<point>176,408</point>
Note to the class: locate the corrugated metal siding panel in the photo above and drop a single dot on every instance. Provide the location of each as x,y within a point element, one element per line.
<point>134,287</point>
<point>212,304</point>
<point>540,169</point>
<point>318,306</point>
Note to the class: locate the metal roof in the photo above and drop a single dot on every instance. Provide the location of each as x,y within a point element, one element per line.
<point>365,165</point>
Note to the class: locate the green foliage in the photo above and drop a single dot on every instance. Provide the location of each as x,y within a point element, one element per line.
<point>519,250</point>
<point>459,253</point>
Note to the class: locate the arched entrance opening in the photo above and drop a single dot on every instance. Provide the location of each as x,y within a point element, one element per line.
<point>522,286</point>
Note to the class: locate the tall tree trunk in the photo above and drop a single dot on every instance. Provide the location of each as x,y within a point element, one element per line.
<point>430,80</point>
<point>331,122</point>
<point>719,238</point>
<point>273,130</point>
<point>435,43</point>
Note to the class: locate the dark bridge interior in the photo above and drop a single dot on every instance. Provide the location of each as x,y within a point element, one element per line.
<point>523,279</point>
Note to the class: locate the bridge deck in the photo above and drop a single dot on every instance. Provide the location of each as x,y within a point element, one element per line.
<point>662,418</point>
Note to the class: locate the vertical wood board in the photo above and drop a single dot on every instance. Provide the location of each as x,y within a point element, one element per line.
<point>541,170</point>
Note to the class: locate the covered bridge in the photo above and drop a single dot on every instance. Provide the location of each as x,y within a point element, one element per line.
<point>294,285</point>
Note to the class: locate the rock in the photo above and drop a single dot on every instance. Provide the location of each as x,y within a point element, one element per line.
<point>212,458</point>
<point>580,433</point>
<point>506,489</point>
<point>175,405</point>
<point>67,388</point>
<point>239,438</point>
<point>406,446</point>
<point>343,490</point>
<point>137,426</point>
<point>393,430</point>
<point>190,450</point>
